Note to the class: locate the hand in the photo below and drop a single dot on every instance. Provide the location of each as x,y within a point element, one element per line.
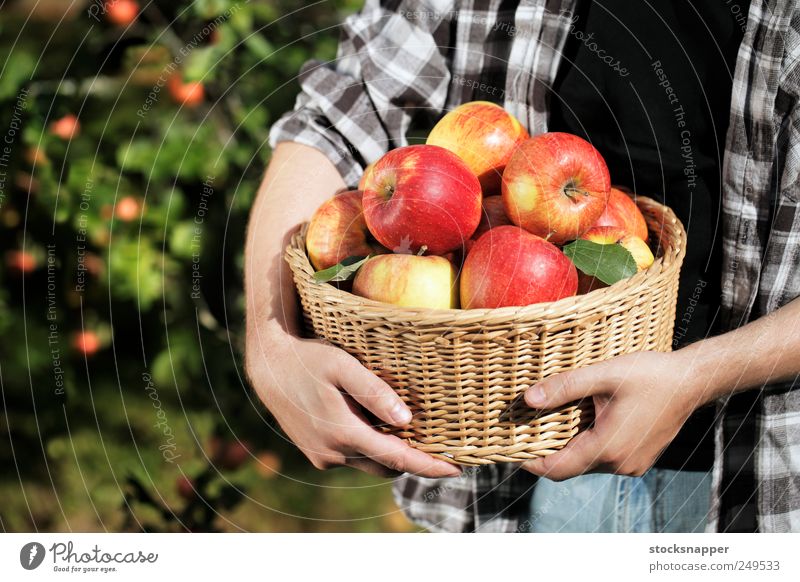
<point>300,380</point>
<point>641,401</point>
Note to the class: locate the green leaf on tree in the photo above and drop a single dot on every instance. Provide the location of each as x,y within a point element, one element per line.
<point>609,263</point>
<point>343,271</point>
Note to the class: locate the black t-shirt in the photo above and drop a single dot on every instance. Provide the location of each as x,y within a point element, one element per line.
<point>649,84</point>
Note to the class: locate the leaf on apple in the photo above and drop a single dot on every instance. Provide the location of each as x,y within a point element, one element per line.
<point>343,271</point>
<point>609,263</point>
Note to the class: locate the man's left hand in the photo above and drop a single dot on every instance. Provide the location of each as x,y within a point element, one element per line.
<point>641,401</point>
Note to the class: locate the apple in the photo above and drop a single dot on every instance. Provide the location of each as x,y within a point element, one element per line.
<point>66,127</point>
<point>509,266</point>
<point>36,156</point>
<point>121,12</point>
<point>234,454</point>
<point>363,181</point>
<point>21,261</point>
<point>556,185</point>
<point>337,230</point>
<point>86,342</point>
<point>26,182</point>
<point>484,135</point>
<point>128,208</point>
<point>609,235</point>
<point>621,211</point>
<point>189,94</point>
<point>409,281</point>
<point>269,464</point>
<point>422,196</point>
<point>186,487</point>
<point>493,215</point>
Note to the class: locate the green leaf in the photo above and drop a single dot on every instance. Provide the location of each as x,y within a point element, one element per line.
<point>609,263</point>
<point>19,66</point>
<point>344,271</point>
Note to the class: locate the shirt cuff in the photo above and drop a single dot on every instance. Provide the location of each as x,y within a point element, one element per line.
<point>306,127</point>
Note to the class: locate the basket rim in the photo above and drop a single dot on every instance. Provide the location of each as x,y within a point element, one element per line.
<point>670,259</point>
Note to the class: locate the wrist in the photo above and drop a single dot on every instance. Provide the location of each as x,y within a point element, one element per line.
<point>704,374</point>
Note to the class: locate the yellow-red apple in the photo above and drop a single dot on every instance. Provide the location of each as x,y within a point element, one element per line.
<point>128,208</point>
<point>484,135</point>
<point>622,212</point>
<point>121,12</point>
<point>556,185</point>
<point>409,281</point>
<point>337,231</point>
<point>21,261</point>
<point>509,266</point>
<point>86,342</point>
<point>609,235</point>
<point>66,127</point>
<point>363,181</point>
<point>422,196</point>
<point>189,94</point>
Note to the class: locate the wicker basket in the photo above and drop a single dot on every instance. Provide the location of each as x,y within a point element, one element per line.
<point>463,372</point>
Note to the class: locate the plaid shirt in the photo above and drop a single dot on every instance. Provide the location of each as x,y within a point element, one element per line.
<point>402,60</point>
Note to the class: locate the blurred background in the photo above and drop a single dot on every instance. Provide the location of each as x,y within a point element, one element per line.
<point>133,141</point>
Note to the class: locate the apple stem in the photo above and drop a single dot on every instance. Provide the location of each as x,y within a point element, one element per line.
<point>422,250</point>
<point>572,191</point>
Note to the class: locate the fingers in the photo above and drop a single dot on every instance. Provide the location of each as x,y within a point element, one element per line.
<point>569,386</point>
<point>393,453</point>
<point>371,392</point>
<point>373,468</point>
<point>578,457</point>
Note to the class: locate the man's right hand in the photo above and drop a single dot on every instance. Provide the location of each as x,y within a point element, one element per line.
<point>314,391</point>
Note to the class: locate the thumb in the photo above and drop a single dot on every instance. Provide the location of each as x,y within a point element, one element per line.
<point>371,392</point>
<point>567,387</point>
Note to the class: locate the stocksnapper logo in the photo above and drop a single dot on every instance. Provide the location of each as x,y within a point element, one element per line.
<point>31,555</point>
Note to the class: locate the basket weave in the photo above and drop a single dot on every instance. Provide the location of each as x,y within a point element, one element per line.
<point>463,372</point>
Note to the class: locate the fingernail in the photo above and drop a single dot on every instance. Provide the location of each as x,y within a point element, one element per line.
<point>451,470</point>
<point>535,396</point>
<point>400,414</point>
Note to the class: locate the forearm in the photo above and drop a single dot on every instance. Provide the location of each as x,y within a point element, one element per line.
<point>762,352</point>
<point>298,179</point>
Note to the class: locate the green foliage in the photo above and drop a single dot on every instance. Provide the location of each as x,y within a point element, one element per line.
<point>608,262</point>
<point>136,228</point>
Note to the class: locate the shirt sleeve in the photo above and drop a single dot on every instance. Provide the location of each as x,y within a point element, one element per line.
<point>392,63</point>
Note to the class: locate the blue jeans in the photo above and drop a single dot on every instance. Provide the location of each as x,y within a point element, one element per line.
<point>661,500</point>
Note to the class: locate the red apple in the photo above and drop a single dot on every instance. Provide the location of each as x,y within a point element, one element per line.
<point>189,94</point>
<point>21,261</point>
<point>337,231</point>
<point>409,281</point>
<point>609,235</point>
<point>86,342</point>
<point>509,266</point>
<point>484,135</point>
<point>66,127</point>
<point>128,208</point>
<point>622,212</point>
<point>493,215</point>
<point>121,12</point>
<point>185,487</point>
<point>234,454</point>
<point>556,185</point>
<point>422,195</point>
